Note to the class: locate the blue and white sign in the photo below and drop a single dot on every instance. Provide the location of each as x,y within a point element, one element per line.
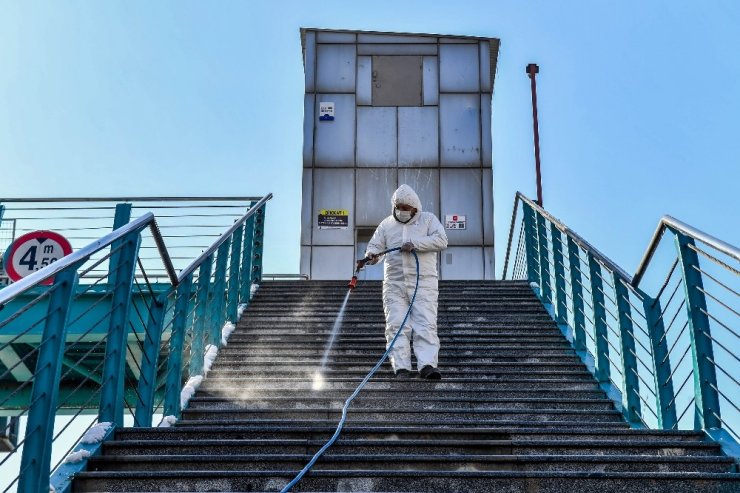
<point>326,111</point>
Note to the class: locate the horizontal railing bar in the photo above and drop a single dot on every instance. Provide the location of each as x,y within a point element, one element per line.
<point>704,273</point>
<point>719,301</point>
<point>726,425</point>
<point>714,259</point>
<point>668,221</point>
<point>722,370</point>
<point>647,405</point>
<point>125,199</point>
<point>675,396</point>
<point>693,400</point>
<point>678,338</point>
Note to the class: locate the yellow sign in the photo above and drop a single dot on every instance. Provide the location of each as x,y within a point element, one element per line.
<point>333,212</point>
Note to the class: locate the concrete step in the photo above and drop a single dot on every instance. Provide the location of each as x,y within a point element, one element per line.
<point>315,357</point>
<point>407,414</point>
<point>482,373</point>
<point>478,369</point>
<point>413,481</point>
<point>452,462</point>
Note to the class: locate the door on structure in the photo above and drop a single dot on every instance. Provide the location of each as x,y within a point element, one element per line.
<point>370,272</point>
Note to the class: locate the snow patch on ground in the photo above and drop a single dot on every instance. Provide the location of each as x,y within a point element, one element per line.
<point>168,421</point>
<point>76,457</point>
<point>189,390</point>
<point>209,358</point>
<point>253,290</point>
<point>96,433</point>
<point>52,489</point>
<point>240,311</point>
<point>534,285</point>
<point>226,331</point>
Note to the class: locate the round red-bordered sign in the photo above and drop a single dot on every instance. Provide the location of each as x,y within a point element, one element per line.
<point>34,251</point>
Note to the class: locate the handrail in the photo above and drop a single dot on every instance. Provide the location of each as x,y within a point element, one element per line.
<point>565,229</point>
<point>126,199</point>
<point>195,263</point>
<point>671,222</point>
<point>86,252</point>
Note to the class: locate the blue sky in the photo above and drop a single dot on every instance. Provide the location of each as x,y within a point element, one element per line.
<point>638,105</point>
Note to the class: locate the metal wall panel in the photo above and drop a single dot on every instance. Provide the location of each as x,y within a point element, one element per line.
<point>375,187</point>
<point>459,120</point>
<point>462,263</point>
<point>418,136</point>
<point>332,262</point>
<point>309,61</point>
<point>485,66</point>
<point>379,49</point>
<point>305,267</point>
<point>333,189</point>
<point>376,136</point>
<point>334,37</point>
<point>489,263</point>
<point>308,111</point>
<point>364,80</point>
<point>461,193</point>
<point>306,206</point>
<point>335,68</point>
<point>425,182</point>
<point>334,143</point>
<point>431,80</point>
<point>458,68</point>
<point>370,272</point>
<point>486,138</point>
<point>397,80</point>
<point>390,38</point>
<point>445,40</point>
<point>488,227</point>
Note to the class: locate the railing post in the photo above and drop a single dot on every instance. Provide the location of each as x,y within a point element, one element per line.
<point>114,366</point>
<point>259,234</point>
<point>600,330</point>
<point>150,362</point>
<point>177,341</point>
<point>200,323</point>
<point>247,253</point>
<point>576,286</point>
<point>36,458</point>
<point>218,301</point>
<point>665,408</point>
<point>530,242</point>
<point>234,271</point>
<point>545,285</point>
<point>121,218</point>
<point>707,414</point>
<point>630,382</point>
<point>561,310</point>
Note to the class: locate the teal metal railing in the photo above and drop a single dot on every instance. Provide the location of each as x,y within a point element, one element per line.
<point>114,343</point>
<point>663,346</point>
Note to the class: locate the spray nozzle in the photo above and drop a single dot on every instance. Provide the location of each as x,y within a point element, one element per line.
<point>352,283</point>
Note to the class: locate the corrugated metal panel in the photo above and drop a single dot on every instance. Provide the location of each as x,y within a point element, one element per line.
<point>308,110</point>
<point>444,40</point>
<point>384,38</point>
<point>332,262</point>
<point>459,120</point>
<point>485,116</point>
<point>458,68</point>
<point>364,80</point>
<point>419,49</point>
<point>489,263</point>
<point>418,136</point>
<point>462,263</point>
<point>309,61</point>
<point>306,261</point>
<point>335,68</point>
<point>431,80</point>
<point>425,181</point>
<point>306,200</point>
<point>376,136</point>
<point>486,84</point>
<point>494,46</point>
<point>397,80</point>
<point>335,37</point>
<point>333,189</point>
<point>335,141</point>
<point>461,194</point>
<point>375,188</point>
<point>487,207</point>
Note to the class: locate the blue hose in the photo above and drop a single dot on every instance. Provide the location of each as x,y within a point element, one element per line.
<point>349,400</point>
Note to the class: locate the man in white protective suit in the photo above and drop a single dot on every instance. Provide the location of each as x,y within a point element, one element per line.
<point>410,228</point>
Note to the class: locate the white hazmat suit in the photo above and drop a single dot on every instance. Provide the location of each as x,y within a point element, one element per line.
<point>428,237</point>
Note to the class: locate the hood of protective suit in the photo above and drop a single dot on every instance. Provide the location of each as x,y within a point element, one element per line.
<point>406,195</point>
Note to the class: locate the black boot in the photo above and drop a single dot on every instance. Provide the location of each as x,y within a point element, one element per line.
<point>430,373</point>
<point>403,374</point>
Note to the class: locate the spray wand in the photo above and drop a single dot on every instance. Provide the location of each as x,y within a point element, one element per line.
<point>361,265</point>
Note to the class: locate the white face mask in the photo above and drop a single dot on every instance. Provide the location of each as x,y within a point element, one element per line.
<point>403,216</point>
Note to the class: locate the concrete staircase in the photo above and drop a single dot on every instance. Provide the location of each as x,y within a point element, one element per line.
<point>516,410</point>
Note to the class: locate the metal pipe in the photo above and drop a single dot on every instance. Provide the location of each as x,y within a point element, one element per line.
<point>126,199</point>
<point>672,222</point>
<point>532,71</point>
